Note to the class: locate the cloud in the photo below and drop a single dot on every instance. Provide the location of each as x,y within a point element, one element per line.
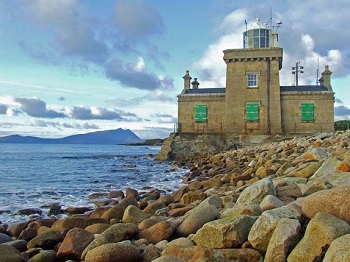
<point>302,41</point>
<point>153,132</point>
<point>61,98</point>
<point>133,75</point>
<point>341,111</point>
<point>37,108</point>
<point>59,125</point>
<point>89,113</point>
<point>73,28</point>
<point>211,67</point>
<point>136,19</point>
<point>3,109</point>
<point>165,118</point>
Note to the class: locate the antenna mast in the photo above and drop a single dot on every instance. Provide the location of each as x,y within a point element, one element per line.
<point>317,70</point>
<point>296,70</point>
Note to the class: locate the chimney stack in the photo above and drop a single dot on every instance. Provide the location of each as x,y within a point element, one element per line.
<point>187,80</point>
<point>195,84</point>
<point>326,78</point>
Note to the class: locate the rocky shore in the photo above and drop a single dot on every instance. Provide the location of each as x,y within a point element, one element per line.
<point>281,201</point>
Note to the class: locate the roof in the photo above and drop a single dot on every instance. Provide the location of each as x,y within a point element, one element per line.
<point>205,91</point>
<point>305,88</point>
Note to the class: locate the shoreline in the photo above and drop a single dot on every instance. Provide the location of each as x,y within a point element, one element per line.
<point>234,205</point>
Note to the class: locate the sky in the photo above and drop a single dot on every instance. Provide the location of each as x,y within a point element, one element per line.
<point>77,66</point>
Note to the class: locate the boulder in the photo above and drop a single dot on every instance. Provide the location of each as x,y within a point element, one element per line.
<point>262,230</point>
<point>334,201</point>
<point>182,242</point>
<point>192,196</point>
<point>15,229</point>
<point>315,153</point>
<point>239,254</point>
<point>28,233</point>
<point>112,252</point>
<point>162,230</point>
<point>4,238</point>
<point>168,258</point>
<point>99,211</point>
<point>198,217</point>
<point>198,253</point>
<point>133,214</point>
<point>256,192</point>
<point>150,253</point>
<point>44,255</point>
<point>270,202</point>
<point>130,192</point>
<point>320,232</point>
<point>193,253</point>
<point>72,222</point>
<point>115,233</point>
<point>225,232</point>
<point>249,209</point>
<point>9,253</point>
<point>115,194</point>
<point>19,244</point>
<point>46,240</point>
<point>331,166</point>
<point>152,207</point>
<point>97,228</point>
<point>117,211</point>
<point>74,243</point>
<point>305,170</point>
<point>212,200</point>
<point>339,250</point>
<point>177,195</point>
<point>337,179</point>
<point>284,238</point>
<point>176,212</point>
<point>77,210</point>
<point>150,222</point>
<point>289,190</point>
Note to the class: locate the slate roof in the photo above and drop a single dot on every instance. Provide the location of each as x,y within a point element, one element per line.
<point>206,91</point>
<point>305,88</point>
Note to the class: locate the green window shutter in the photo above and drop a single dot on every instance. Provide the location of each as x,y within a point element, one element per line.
<point>307,112</point>
<point>252,112</point>
<point>200,113</point>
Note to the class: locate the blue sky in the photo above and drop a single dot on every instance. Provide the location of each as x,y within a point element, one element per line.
<point>77,66</point>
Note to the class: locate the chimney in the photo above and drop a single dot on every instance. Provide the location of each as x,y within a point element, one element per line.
<point>187,80</point>
<point>326,78</point>
<point>195,84</point>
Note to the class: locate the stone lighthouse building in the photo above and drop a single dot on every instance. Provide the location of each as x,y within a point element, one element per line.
<point>253,106</point>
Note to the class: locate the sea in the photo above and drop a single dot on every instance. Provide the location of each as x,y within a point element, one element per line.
<point>38,175</point>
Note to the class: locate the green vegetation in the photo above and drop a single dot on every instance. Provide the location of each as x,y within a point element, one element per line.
<point>342,125</point>
<point>149,142</point>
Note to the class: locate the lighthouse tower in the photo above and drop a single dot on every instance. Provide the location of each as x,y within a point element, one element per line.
<point>252,103</point>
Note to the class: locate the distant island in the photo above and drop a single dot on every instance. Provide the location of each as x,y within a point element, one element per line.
<point>109,137</point>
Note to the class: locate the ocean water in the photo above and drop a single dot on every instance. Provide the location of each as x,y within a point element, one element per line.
<point>35,175</point>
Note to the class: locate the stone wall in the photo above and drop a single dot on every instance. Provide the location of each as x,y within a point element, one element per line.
<point>215,112</point>
<point>181,146</point>
<point>291,112</point>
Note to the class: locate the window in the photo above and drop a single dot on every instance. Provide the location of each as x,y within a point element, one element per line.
<point>307,112</point>
<point>256,38</point>
<point>252,112</point>
<point>252,80</point>
<point>200,113</point>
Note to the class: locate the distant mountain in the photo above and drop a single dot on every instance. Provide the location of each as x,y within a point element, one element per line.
<point>109,137</point>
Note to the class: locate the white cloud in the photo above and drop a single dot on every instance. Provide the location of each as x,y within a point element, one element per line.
<point>140,64</point>
<point>211,66</point>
